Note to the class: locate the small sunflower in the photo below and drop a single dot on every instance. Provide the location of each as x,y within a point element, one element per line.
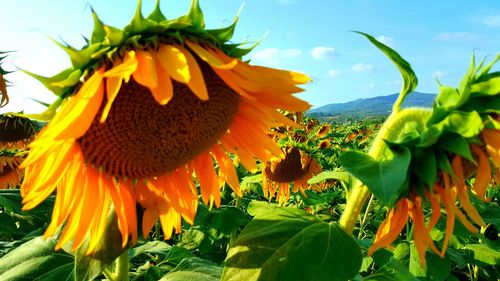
<point>10,174</point>
<point>16,132</point>
<point>296,168</point>
<point>323,130</point>
<point>143,110</point>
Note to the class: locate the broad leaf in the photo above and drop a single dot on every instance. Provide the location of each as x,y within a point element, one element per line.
<point>194,269</point>
<point>386,179</point>
<point>273,246</point>
<point>484,254</point>
<point>37,260</point>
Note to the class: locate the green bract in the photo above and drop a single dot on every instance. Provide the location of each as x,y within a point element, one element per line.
<point>108,42</point>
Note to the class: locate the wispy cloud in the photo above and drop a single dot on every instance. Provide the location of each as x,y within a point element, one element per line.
<point>274,56</point>
<point>322,52</point>
<point>371,86</point>
<point>457,36</point>
<point>393,82</point>
<point>389,41</point>
<point>334,73</point>
<point>362,67</point>
<point>491,20</point>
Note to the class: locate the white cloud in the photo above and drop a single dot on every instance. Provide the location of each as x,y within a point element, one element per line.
<point>393,82</point>
<point>389,41</point>
<point>439,74</point>
<point>362,67</point>
<point>371,86</point>
<point>334,73</point>
<point>273,56</point>
<point>457,36</point>
<point>491,20</point>
<point>322,52</point>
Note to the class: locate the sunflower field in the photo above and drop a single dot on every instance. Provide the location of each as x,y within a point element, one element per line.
<point>168,156</point>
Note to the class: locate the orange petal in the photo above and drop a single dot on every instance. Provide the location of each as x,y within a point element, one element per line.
<point>146,74</point>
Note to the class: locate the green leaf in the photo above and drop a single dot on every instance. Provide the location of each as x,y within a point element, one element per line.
<point>424,165</point>
<point>483,254</point>
<point>410,80</point>
<point>312,198</point>
<point>228,219</point>
<point>447,97</point>
<point>456,144</point>
<point>437,268</point>
<point>36,260</point>
<point>490,87</point>
<point>331,175</point>
<point>153,247</point>
<point>466,124</point>
<point>177,254</point>
<point>194,269</point>
<point>386,179</point>
<point>392,271</point>
<point>275,244</point>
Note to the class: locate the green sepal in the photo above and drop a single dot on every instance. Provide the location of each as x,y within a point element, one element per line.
<point>490,87</point>
<point>491,123</point>
<point>482,105</point>
<point>79,58</point>
<point>226,33</point>
<point>47,115</point>
<point>410,80</point>
<point>98,34</point>
<point>443,162</point>
<point>447,97</point>
<point>196,15</point>
<point>71,80</point>
<point>423,164</point>
<point>48,81</point>
<point>466,124</point>
<point>457,144</point>
<point>139,23</point>
<point>157,15</point>
<point>482,72</point>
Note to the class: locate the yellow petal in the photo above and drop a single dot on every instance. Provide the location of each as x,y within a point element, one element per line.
<point>165,90</point>
<point>145,74</point>
<point>210,57</point>
<point>125,68</point>
<point>175,62</point>
<point>196,83</point>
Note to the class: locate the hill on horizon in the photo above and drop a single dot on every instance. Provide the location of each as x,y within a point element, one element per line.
<point>364,108</point>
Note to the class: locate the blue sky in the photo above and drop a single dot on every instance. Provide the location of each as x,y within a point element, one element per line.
<point>311,36</point>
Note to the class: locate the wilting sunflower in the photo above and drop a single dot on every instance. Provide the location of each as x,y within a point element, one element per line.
<point>296,168</point>
<point>143,110</point>
<point>471,120</point>
<point>10,174</point>
<point>4,98</point>
<point>16,132</point>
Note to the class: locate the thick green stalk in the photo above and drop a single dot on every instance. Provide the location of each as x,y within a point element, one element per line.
<point>392,128</point>
<point>121,269</point>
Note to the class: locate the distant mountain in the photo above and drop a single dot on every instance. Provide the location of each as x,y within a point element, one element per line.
<point>380,106</point>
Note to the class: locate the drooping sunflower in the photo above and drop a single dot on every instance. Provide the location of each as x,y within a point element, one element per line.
<point>469,116</point>
<point>143,110</point>
<point>16,132</point>
<point>4,98</point>
<point>296,168</point>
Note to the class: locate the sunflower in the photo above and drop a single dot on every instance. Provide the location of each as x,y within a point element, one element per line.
<point>323,130</point>
<point>10,174</point>
<point>4,98</point>
<point>143,111</point>
<point>16,132</point>
<point>453,173</point>
<point>296,168</point>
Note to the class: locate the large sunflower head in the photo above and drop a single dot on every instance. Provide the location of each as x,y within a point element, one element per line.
<point>295,169</point>
<point>142,110</point>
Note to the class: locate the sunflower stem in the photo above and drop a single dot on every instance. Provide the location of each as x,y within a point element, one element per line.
<point>390,131</point>
<point>232,237</point>
<point>122,267</point>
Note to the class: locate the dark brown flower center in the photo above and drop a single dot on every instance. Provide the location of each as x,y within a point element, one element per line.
<point>288,169</point>
<point>141,138</point>
<point>15,129</point>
